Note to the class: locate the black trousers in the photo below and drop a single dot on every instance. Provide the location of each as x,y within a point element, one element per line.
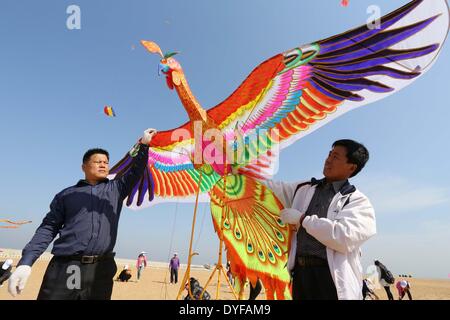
<point>254,292</point>
<point>406,292</point>
<point>313,283</point>
<point>5,276</point>
<point>71,280</point>
<point>173,275</point>
<point>389,293</point>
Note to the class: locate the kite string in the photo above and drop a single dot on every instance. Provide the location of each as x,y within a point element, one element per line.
<point>201,227</point>
<point>170,249</point>
<point>173,231</point>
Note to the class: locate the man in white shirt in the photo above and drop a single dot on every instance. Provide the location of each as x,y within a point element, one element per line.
<point>332,219</point>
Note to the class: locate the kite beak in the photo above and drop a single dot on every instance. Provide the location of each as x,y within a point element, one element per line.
<point>162,68</point>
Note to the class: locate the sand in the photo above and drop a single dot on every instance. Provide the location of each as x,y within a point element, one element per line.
<point>154,284</point>
<point>421,289</point>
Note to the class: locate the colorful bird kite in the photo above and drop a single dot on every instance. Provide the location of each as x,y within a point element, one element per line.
<point>109,111</point>
<point>283,99</point>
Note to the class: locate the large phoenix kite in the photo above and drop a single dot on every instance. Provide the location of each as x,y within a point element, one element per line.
<point>283,99</point>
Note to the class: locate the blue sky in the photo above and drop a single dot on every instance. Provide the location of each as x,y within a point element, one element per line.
<point>54,83</point>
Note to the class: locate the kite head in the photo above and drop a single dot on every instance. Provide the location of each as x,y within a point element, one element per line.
<point>167,65</point>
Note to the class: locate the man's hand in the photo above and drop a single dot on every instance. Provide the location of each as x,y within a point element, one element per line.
<point>148,135</point>
<point>18,280</point>
<point>291,216</point>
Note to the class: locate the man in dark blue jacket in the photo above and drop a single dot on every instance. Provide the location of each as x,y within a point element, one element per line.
<point>86,218</point>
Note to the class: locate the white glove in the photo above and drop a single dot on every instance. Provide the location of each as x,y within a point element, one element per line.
<point>148,135</point>
<point>291,216</point>
<point>18,280</point>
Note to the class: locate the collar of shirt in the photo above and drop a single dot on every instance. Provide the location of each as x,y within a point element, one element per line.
<point>83,182</point>
<point>337,185</point>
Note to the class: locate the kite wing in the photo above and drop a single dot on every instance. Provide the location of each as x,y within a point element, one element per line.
<point>170,175</point>
<point>296,92</point>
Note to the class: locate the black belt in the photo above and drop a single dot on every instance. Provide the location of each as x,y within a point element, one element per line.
<point>311,261</point>
<point>88,259</point>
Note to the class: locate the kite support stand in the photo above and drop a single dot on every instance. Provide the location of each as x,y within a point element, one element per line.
<point>188,268</point>
<point>219,266</point>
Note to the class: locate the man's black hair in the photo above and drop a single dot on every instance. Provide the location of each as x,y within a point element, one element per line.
<point>357,153</point>
<point>91,152</point>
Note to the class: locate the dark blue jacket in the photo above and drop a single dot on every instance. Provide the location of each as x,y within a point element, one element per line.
<point>85,216</point>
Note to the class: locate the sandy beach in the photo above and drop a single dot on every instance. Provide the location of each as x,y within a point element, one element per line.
<point>154,284</point>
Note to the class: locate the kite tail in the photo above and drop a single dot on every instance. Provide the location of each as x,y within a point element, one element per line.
<point>276,287</point>
<point>246,217</point>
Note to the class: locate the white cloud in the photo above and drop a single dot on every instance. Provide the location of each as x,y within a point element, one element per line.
<point>393,194</point>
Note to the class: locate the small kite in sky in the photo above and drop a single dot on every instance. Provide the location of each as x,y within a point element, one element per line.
<point>345,3</point>
<point>12,224</point>
<point>109,111</point>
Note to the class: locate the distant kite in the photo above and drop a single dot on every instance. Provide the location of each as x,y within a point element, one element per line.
<point>345,3</point>
<point>13,224</point>
<point>109,111</point>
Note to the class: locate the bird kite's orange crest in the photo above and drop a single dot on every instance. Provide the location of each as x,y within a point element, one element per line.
<point>152,47</point>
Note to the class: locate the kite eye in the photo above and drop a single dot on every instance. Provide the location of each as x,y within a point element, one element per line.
<point>307,54</point>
